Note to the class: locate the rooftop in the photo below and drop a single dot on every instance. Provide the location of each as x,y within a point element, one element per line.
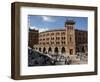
<point>69,22</point>
<point>61,30</point>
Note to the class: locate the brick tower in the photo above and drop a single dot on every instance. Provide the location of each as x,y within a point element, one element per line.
<point>70,35</point>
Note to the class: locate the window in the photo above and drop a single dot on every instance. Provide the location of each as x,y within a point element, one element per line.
<point>71,51</point>
<point>63,33</point>
<point>47,42</point>
<point>47,39</point>
<point>57,33</point>
<point>57,38</point>
<point>52,38</point>
<point>49,50</point>
<point>63,50</point>
<point>63,38</point>
<point>57,42</point>
<point>43,43</point>
<point>40,39</point>
<point>70,39</point>
<point>47,34</point>
<point>40,49</point>
<point>56,50</point>
<point>70,27</point>
<point>43,39</point>
<point>52,42</point>
<point>63,42</point>
<point>43,34</point>
<point>52,33</point>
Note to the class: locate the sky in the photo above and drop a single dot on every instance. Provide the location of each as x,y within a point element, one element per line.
<point>43,22</point>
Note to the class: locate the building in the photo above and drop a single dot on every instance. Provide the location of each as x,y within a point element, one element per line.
<point>67,41</point>
<point>33,37</point>
<point>81,41</point>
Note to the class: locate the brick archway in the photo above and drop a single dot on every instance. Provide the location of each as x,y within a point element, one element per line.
<point>40,49</point>
<point>49,50</point>
<point>63,50</point>
<point>44,50</point>
<point>56,50</point>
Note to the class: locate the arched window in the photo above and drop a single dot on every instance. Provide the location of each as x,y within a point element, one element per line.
<point>70,39</point>
<point>49,50</point>
<point>71,51</point>
<point>63,50</point>
<point>56,50</point>
<point>40,49</point>
<point>44,50</point>
<point>83,50</point>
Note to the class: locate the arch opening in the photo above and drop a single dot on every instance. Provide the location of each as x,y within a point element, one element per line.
<point>56,50</point>
<point>44,50</point>
<point>40,49</point>
<point>63,50</point>
<point>50,50</point>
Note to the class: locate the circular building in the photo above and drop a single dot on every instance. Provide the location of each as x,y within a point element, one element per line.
<point>58,41</point>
